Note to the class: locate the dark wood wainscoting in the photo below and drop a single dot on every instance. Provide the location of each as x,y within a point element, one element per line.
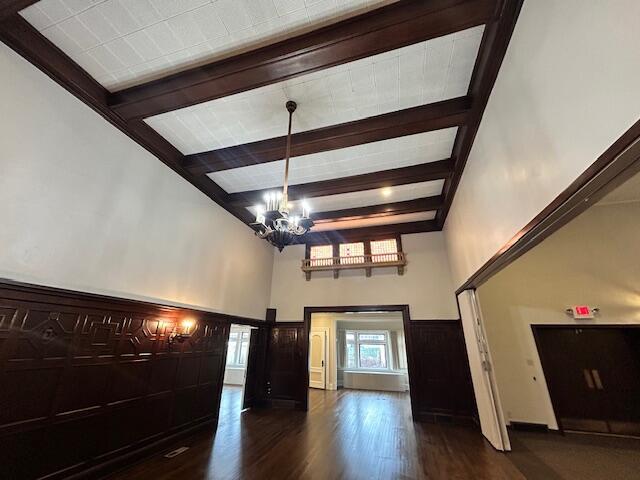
<point>439,376</point>
<point>286,384</point>
<point>87,380</point>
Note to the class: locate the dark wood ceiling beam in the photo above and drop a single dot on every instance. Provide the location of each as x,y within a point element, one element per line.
<point>425,118</point>
<point>369,233</point>
<point>11,7</point>
<point>19,35</point>
<point>493,47</point>
<point>387,178</point>
<point>388,28</point>
<point>425,204</point>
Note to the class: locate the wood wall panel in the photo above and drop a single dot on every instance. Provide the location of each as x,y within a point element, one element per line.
<point>440,380</point>
<point>86,378</point>
<point>255,379</point>
<point>286,365</point>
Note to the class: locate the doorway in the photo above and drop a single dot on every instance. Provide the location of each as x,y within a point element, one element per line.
<point>235,372</point>
<point>593,376</point>
<point>358,348</point>
<point>424,361</point>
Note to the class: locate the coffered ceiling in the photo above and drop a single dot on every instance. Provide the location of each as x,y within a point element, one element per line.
<point>390,94</point>
<point>126,42</point>
<point>422,73</point>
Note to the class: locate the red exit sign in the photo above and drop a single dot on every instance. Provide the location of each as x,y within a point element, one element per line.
<point>583,311</point>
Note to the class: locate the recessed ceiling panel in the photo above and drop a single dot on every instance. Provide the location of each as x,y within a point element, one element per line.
<point>126,42</point>
<point>419,74</point>
<point>370,157</point>
<point>372,222</point>
<point>365,198</point>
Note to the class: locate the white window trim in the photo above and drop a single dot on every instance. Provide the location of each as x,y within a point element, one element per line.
<point>357,342</point>
<point>238,341</point>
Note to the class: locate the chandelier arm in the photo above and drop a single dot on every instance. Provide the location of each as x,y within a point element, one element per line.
<point>266,233</point>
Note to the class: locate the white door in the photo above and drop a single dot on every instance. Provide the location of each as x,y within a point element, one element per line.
<point>317,359</point>
<point>487,398</point>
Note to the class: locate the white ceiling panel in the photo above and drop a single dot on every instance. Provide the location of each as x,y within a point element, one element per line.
<point>423,73</point>
<point>126,42</point>
<point>365,198</point>
<point>345,162</point>
<point>372,222</point>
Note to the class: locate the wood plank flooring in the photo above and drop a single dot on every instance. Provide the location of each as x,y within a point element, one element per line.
<point>348,434</point>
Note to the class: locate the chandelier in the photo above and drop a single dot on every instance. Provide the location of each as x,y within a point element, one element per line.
<point>274,222</point>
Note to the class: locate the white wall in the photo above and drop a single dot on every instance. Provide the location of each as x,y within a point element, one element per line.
<point>234,375</point>
<point>425,286</point>
<point>568,88</point>
<point>593,260</point>
<point>84,207</point>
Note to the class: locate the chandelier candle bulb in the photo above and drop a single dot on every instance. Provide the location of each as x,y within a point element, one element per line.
<point>259,213</point>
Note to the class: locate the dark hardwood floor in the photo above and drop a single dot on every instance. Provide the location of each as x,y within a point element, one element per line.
<point>348,434</point>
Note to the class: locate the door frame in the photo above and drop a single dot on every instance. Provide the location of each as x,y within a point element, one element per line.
<point>325,330</point>
<point>406,325</point>
<point>536,327</point>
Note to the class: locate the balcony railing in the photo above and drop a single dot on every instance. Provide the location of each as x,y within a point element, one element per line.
<point>352,262</point>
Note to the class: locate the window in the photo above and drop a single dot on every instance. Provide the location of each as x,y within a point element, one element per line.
<point>384,250</point>
<point>355,255</point>
<point>366,350</point>
<point>321,255</point>
<point>351,350</point>
<point>238,348</point>
<point>355,250</point>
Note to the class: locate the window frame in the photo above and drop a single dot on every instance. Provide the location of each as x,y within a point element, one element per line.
<point>320,261</point>
<point>386,343</point>
<point>366,241</point>
<point>236,362</point>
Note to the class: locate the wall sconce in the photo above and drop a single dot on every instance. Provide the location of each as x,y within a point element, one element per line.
<point>182,332</point>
